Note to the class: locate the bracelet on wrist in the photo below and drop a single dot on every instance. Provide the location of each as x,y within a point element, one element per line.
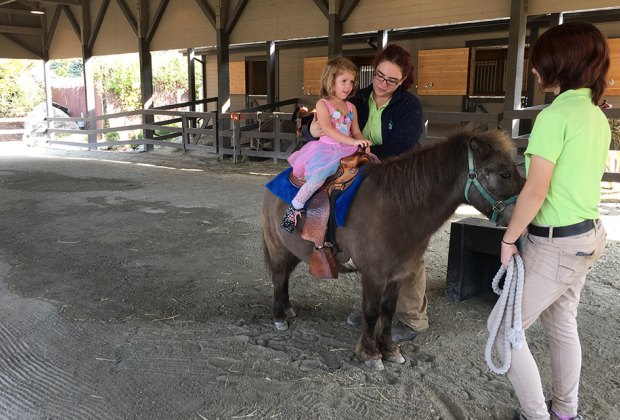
<point>509,243</point>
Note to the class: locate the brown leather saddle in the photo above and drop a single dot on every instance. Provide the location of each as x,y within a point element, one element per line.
<point>322,262</point>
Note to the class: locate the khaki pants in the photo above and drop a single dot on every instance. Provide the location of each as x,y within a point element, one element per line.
<point>411,304</point>
<point>555,272</point>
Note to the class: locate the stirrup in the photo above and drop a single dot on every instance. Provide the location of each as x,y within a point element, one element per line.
<point>289,221</point>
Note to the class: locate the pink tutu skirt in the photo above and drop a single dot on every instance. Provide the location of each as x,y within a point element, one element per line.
<point>317,160</point>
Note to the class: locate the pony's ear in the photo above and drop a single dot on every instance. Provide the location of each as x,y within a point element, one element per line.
<point>479,147</point>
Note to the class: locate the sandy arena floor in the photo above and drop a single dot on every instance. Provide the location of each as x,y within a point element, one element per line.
<point>132,287</point>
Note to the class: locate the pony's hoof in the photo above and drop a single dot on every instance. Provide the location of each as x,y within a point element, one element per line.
<point>396,358</point>
<point>280,326</point>
<point>290,313</point>
<point>376,365</point>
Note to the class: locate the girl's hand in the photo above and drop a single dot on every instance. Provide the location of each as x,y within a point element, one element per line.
<point>508,250</point>
<point>361,143</point>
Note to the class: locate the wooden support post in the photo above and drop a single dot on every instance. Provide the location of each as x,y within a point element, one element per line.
<point>382,39</point>
<point>236,140</point>
<point>191,76</point>
<point>146,67</point>
<point>223,59</point>
<point>191,81</point>
<point>526,125</point>
<point>185,136</point>
<point>531,80</point>
<point>514,62</point>
<point>554,20</point>
<point>271,72</point>
<point>203,63</point>
<point>90,96</point>
<point>277,140</point>
<point>334,45</point>
<point>49,111</point>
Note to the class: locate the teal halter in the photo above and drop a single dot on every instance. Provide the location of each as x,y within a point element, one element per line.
<point>472,178</point>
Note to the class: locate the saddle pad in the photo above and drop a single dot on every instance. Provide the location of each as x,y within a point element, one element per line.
<point>281,187</point>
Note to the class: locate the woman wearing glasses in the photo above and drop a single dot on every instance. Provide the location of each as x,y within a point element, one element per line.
<point>392,119</point>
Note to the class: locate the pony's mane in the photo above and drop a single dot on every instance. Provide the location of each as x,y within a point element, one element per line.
<point>413,177</point>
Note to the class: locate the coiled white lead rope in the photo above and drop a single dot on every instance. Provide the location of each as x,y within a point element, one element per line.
<point>510,311</point>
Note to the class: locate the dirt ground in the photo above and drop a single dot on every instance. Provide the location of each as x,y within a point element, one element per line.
<point>132,286</point>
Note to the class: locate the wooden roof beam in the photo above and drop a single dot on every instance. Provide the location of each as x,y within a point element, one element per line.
<point>334,45</point>
<point>73,21</point>
<point>207,10</point>
<point>54,24</point>
<point>100,15</point>
<point>232,19</point>
<point>66,2</point>
<point>159,13</point>
<point>128,15</point>
<point>323,7</point>
<point>52,29</point>
<point>16,41</point>
<point>6,10</point>
<point>347,9</point>
<point>24,30</point>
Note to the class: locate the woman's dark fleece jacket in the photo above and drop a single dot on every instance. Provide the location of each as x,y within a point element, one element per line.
<point>402,121</point>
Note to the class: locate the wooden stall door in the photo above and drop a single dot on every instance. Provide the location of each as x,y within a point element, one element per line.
<point>443,72</point>
<point>613,77</point>
<point>237,77</point>
<point>313,69</point>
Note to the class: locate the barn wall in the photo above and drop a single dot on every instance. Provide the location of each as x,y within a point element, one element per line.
<point>291,67</point>
<point>377,15</point>
<point>539,7</point>
<point>115,36</point>
<point>183,25</point>
<point>211,73</point>
<point>292,72</point>
<point>65,43</point>
<point>10,50</point>
<point>268,20</point>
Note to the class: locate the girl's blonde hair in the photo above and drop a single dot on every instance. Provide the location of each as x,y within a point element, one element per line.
<point>334,68</point>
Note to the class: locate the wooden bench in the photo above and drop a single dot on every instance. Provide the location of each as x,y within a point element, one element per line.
<point>473,258</point>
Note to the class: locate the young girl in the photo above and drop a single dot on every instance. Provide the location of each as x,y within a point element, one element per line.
<point>317,160</point>
<point>565,160</point>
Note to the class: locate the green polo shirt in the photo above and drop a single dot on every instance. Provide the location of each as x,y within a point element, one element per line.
<point>372,129</point>
<point>574,135</point>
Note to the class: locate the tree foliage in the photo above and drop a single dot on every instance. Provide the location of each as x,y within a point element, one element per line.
<point>19,91</point>
<point>122,79</point>
<point>67,68</point>
<point>614,124</point>
<point>117,79</point>
<point>171,75</point>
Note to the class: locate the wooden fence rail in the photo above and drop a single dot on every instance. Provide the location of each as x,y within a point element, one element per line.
<point>264,131</point>
<point>11,129</point>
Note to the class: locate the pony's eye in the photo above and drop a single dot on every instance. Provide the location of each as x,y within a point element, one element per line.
<point>505,175</point>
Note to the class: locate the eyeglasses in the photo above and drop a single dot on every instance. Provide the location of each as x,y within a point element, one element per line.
<point>380,77</point>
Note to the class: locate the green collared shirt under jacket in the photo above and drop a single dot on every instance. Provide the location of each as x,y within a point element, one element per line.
<point>372,129</point>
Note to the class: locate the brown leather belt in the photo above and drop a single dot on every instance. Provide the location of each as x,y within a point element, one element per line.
<point>562,231</point>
